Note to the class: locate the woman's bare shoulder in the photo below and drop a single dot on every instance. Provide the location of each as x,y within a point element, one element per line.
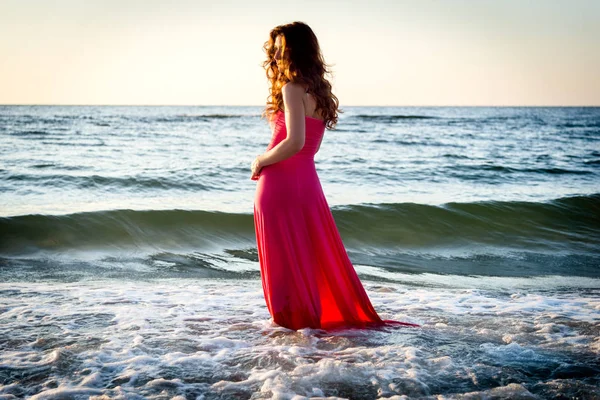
<point>293,89</point>
<point>293,97</point>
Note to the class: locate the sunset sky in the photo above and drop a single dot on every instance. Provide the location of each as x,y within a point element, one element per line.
<point>383,52</point>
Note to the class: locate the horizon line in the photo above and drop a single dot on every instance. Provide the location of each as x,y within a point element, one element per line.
<point>254,105</point>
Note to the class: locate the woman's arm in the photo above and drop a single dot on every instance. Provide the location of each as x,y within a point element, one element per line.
<point>295,123</point>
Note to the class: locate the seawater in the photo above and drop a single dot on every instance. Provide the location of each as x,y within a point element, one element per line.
<point>129,267</point>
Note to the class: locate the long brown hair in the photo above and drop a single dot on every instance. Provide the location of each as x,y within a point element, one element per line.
<point>304,64</point>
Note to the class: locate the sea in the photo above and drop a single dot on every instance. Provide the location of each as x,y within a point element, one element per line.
<point>129,269</point>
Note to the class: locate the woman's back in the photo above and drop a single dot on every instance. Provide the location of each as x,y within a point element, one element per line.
<point>314,131</point>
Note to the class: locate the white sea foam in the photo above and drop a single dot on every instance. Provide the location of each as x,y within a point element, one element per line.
<point>195,338</point>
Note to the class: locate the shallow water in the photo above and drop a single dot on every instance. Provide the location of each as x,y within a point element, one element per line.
<point>210,339</point>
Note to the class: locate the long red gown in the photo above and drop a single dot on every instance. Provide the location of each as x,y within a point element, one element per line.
<point>307,278</point>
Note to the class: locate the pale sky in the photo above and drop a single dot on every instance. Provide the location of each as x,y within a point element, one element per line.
<point>384,52</point>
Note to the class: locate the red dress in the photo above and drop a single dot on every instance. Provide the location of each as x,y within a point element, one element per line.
<point>307,278</point>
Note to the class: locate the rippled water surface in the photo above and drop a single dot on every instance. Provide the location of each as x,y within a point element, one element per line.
<point>129,267</point>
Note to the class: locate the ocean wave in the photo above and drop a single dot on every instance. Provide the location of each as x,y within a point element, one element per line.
<point>197,117</point>
<point>570,224</point>
<point>216,116</point>
<point>36,133</point>
<point>65,181</point>
<point>504,169</point>
<point>390,117</point>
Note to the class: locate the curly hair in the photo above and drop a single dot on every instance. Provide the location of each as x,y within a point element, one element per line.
<point>303,64</point>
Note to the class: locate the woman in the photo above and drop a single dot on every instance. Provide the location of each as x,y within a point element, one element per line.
<point>307,277</point>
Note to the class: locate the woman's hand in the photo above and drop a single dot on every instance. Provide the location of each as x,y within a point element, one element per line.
<point>255,168</point>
